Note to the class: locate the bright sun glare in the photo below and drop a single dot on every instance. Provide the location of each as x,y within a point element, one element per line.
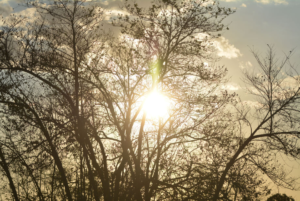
<point>156,105</point>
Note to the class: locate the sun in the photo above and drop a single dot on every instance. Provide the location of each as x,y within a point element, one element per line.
<point>156,105</point>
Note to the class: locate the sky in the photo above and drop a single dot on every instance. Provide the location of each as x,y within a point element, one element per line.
<point>254,25</point>
<point>258,23</point>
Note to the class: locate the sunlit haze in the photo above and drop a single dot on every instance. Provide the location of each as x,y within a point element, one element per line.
<point>156,105</point>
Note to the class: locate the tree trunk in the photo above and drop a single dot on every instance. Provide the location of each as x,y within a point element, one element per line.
<point>7,172</point>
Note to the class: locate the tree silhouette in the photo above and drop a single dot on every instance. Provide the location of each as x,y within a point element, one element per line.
<point>74,124</point>
<point>279,197</point>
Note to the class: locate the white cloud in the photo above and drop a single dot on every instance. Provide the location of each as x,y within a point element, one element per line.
<point>231,86</point>
<point>277,2</point>
<point>263,1</point>
<point>252,104</point>
<point>113,13</point>
<point>281,2</point>
<point>224,49</point>
<point>244,65</point>
<point>5,9</point>
<point>291,83</point>
<point>229,0</point>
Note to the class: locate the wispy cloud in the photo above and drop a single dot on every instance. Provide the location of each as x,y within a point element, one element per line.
<point>231,86</point>
<point>281,2</point>
<point>229,0</point>
<point>225,49</point>
<point>252,104</point>
<point>245,65</point>
<point>277,2</point>
<point>5,9</point>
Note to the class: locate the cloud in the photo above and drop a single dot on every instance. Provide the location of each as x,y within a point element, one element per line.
<point>263,1</point>
<point>244,65</point>
<point>252,104</point>
<point>231,86</point>
<point>117,4</point>
<point>5,9</point>
<point>113,13</point>
<point>291,83</point>
<point>281,2</point>
<point>229,0</point>
<point>277,2</point>
<point>112,4</point>
<point>224,49</point>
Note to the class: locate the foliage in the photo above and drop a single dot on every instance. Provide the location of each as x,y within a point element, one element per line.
<point>73,121</point>
<point>279,197</point>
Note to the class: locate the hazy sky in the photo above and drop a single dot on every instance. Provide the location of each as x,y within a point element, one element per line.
<point>258,23</point>
<point>255,24</point>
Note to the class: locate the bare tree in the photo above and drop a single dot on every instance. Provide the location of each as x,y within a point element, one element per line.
<point>82,95</point>
<point>277,115</point>
<point>74,101</point>
<point>278,196</point>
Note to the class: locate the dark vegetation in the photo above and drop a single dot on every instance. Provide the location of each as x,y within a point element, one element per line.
<point>72,120</point>
<point>280,197</point>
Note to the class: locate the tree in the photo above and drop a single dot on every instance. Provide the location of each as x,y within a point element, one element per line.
<point>277,128</point>
<point>278,197</point>
<point>8,175</point>
<point>75,97</point>
<point>74,106</point>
